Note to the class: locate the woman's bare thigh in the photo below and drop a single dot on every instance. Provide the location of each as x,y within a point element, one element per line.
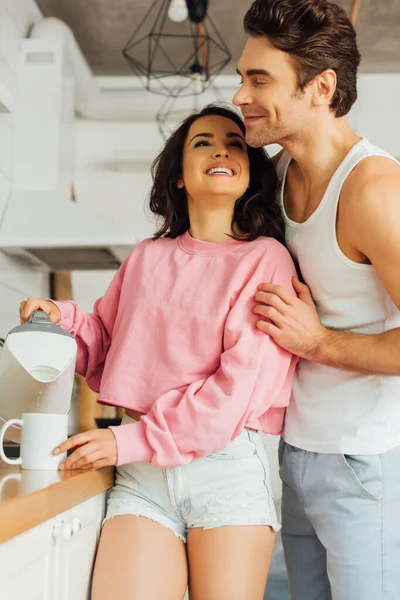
<point>229,563</point>
<point>139,559</point>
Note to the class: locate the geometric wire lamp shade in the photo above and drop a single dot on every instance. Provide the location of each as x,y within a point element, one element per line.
<point>177,107</point>
<point>167,55</point>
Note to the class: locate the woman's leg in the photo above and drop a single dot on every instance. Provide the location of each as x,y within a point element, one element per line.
<point>229,563</point>
<point>139,559</point>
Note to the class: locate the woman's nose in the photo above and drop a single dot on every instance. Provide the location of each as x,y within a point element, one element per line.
<point>221,153</point>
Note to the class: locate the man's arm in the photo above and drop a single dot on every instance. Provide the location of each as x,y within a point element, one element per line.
<point>374,354</point>
<point>372,201</point>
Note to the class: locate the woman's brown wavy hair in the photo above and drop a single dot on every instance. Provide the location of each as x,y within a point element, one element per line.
<point>255,214</point>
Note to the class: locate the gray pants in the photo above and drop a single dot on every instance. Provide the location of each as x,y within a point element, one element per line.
<point>341,524</point>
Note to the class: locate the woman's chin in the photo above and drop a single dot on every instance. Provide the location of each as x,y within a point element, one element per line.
<point>216,200</point>
<point>225,188</point>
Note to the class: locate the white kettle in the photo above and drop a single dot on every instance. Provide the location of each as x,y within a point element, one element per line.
<point>37,366</point>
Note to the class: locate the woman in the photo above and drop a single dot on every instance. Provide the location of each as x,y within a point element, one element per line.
<point>174,342</point>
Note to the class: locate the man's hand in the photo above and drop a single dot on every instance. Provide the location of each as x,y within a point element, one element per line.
<point>292,322</point>
<point>94,449</point>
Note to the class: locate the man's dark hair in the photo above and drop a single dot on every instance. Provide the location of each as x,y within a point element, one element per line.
<point>256,213</point>
<point>318,34</point>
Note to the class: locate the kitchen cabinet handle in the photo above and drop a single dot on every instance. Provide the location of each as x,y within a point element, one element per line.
<point>57,530</point>
<point>62,531</point>
<point>76,526</point>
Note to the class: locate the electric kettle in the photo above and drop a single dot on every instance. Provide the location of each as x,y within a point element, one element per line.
<point>37,366</point>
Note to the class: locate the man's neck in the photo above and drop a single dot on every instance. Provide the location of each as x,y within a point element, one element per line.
<point>317,153</point>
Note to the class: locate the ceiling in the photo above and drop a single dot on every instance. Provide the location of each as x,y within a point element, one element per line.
<point>102,28</point>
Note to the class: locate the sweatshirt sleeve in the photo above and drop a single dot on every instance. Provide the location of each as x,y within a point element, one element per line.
<point>254,375</point>
<point>93,332</point>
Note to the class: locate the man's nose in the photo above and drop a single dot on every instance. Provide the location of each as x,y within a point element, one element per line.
<point>241,97</point>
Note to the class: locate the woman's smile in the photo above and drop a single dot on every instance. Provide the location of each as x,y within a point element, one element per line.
<point>220,171</point>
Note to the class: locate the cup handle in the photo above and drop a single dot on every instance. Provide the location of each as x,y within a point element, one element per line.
<point>7,424</point>
<point>10,476</point>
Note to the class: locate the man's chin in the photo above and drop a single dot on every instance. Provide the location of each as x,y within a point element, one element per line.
<point>251,141</point>
<point>257,141</point>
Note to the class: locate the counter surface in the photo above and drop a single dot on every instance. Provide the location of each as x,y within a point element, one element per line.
<point>28,498</point>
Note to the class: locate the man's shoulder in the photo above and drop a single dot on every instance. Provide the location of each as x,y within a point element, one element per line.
<point>371,200</point>
<point>373,178</point>
<point>372,169</point>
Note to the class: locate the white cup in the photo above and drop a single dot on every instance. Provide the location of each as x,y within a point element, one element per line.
<point>41,433</point>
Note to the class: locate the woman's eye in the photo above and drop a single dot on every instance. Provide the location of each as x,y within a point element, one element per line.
<point>238,144</point>
<point>202,143</point>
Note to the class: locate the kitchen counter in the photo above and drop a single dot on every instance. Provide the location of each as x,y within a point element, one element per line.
<point>28,498</point>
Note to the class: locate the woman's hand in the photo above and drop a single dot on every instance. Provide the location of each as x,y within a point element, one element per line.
<point>94,449</point>
<point>31,304</point>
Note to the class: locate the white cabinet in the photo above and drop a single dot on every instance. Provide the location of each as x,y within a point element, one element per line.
<point>53,561</point>
<point>26,565</point>
<point>76,535</point>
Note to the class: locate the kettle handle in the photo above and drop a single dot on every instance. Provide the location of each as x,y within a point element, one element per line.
<point>40,317</point>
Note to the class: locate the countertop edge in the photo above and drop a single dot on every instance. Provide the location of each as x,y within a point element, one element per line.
<point>26,512</point>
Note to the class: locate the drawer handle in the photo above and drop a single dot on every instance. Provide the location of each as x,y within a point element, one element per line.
<point>63,531</point>
<point>76,526</point>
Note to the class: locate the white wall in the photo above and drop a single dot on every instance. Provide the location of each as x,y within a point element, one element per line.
<point>375,115</point>
<point>113,170</point>
<point>16,280</point>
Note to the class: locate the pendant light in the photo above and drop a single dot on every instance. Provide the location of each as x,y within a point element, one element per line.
<point>178,11</point>
<point>166,53</point>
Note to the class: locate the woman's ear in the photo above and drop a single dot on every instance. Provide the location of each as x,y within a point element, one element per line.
<point>180,184</point>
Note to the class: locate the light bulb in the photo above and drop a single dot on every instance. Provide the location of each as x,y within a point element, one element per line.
<point>178,11</point>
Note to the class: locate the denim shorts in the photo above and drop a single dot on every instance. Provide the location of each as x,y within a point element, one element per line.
<point>228,487</point>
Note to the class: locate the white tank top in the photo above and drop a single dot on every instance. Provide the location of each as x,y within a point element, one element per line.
<point>335,411</point>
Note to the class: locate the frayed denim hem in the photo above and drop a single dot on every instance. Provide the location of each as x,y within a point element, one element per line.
<point>144,515</point>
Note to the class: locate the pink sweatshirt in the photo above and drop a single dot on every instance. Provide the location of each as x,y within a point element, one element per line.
<point>174,337</point>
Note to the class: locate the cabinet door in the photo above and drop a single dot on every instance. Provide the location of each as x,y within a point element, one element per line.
<point>26,565</point>
<point>76,537</point>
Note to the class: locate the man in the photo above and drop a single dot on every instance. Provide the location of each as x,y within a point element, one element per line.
<point>340,454</point>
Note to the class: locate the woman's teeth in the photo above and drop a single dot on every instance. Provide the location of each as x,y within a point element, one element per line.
<point>220,171</point>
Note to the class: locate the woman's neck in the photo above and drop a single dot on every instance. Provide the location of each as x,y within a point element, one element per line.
<point>210,225</point>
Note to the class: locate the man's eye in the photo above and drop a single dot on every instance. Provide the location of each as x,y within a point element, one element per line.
<point>202,143</point>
